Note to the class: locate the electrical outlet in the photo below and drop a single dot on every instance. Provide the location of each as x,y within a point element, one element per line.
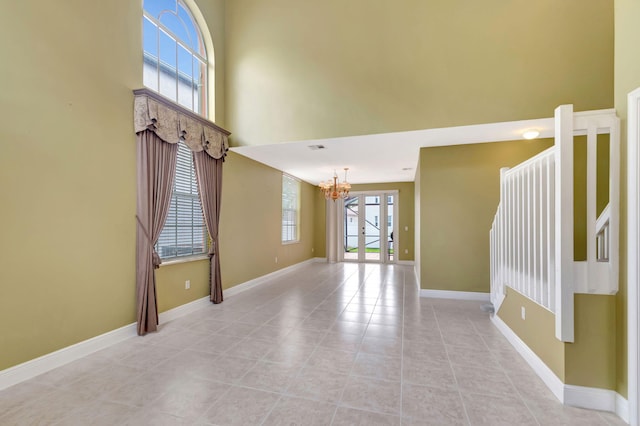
<point>523,312</point>
<point>187,284</point>
<point>406,228</point>
<point>311,249</point>
<point>276,259</point>
<point>406,251</point>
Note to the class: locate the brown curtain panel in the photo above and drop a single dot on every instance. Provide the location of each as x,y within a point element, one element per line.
<point>156,172</point>
<point>209,177</point>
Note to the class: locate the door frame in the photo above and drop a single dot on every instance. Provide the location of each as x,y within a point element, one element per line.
<point>633,255</point>
<point>383,220</point>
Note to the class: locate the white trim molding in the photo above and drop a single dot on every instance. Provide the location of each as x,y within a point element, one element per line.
<point>50,361</point>
<point>458,295</point>
<point>406,262</point>
<point>575,396</point>
<point>35,367</point>
<point>633,255</point>
<point>622,407</point>
<point>591,398</point>
<point>264,278</point>
<point>30,369</point>
<point>549,378</point>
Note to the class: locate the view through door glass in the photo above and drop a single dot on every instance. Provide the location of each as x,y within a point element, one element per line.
<point>390,219</point>
<point>368,228</point>
<point>372,227</point>
<point>351,228</point>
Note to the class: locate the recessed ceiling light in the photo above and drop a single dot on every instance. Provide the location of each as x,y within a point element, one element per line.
<point>316,147</point>
<point>531,134</point>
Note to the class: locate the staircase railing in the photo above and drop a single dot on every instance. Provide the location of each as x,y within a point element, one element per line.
<point>532,235</point>
<point>522,234</point>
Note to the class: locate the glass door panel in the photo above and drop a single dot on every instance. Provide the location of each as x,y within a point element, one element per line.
<point>372,226</point>
<point>351,228</point>
<point>390,225</point>
<point>368,225</point>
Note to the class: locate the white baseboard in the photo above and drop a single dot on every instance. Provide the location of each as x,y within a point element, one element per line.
<point>406,262</point>
<point>459,295</point>
<point>35,367</point>
<point>622,407</point>
<point>30,369</point>
<point>576,396</point>
<point>549,378</point>
<point>182,310</point>
<point>264,278</point>
<point>592,398</point>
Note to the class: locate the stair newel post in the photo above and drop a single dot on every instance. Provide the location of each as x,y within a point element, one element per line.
<point>504,226</point>
<point>564,302</point>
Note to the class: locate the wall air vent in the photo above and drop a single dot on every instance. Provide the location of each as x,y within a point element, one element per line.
<point>316,147</point>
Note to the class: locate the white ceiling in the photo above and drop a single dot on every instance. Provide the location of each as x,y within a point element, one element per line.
<point>388,157</point>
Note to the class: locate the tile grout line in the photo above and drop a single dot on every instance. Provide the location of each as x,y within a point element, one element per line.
<point>455,379</point>
<point>304,364</point>
<point>522,399</point>
<point>404,295</point>
<point>338,403</point>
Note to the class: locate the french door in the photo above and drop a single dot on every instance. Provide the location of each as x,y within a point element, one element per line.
<point>368,224</point>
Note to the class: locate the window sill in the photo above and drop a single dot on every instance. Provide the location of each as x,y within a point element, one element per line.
<point>186,259</point>
<point>287,243</point>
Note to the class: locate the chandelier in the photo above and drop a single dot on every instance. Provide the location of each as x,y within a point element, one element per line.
<point>334,190</point>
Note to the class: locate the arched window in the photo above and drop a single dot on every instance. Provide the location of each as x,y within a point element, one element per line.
<point>175,65</point>
<point>175,59</point>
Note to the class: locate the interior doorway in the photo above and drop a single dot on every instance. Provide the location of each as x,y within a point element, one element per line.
<point>368,223</point>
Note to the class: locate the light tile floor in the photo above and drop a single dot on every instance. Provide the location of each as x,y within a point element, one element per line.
<point>341,344</point>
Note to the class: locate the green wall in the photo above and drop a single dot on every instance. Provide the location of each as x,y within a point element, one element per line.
<point>589,361</point>
<point>300,70</point>
<point>406,212</point>
<point>68,171</point>
<point>67,265</point>
<point>537,330</point>
<point>459,195</point>
<point>580,189</point>
<point>250,223</point>
<point>170,283</point>
<point>627,78</point>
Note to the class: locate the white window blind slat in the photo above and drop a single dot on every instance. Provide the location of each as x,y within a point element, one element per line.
<point>290,208</point>
<point>184,232</point>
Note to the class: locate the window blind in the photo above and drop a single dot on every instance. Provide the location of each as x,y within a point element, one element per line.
<point>184,232</point>
<point>290,208</point>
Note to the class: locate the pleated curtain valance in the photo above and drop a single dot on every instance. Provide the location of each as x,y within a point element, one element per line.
<point>172,123</point>
<point>159,125</point>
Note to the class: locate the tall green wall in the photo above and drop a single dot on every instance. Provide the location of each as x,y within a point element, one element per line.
<point>300,70</point>
<point>68,179</point>
<point>285,70</point>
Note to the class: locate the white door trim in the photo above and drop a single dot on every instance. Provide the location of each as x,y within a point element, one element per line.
<point>633,254</point>
<point>383,220</point>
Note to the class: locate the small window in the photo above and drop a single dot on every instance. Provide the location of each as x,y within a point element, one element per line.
<point>290,209</point>
<point>184,233</point>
